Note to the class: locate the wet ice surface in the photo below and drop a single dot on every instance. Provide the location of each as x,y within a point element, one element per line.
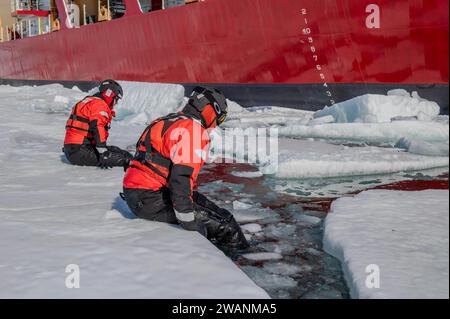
<point>332,187</point>
<point>284,226</point>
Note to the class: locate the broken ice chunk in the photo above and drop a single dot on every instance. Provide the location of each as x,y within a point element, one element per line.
<point>262,256</point>
<point>237,205</point>
<point>281,231</point>
<point>398,92</point>
<point>322,120</point>
<point>281,268</point>
<point>307,219</point>
<point>247,174</point>
<point>251,228</point>
<point>268,281</point>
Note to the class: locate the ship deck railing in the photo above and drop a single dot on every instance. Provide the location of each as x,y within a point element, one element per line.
<point>107,10</point>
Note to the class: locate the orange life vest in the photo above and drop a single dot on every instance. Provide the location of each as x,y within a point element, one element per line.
<point>89,122</point>
<point>153,160</point>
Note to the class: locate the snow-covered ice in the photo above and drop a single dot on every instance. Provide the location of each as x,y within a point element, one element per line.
<point>405,234</point>
<point>314,159</point>
<point>373,133</point>
<point>369,119</point>
<point>374,108</point>
<point>424,148</point>
<point>144,102</point>
<point>54,214</point>
<point>42,217</point>
<point>307,159</point>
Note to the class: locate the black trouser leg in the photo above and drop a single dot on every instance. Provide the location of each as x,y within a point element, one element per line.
<point>150,205</point>
<point>157,206</point>
<point>83,155</point>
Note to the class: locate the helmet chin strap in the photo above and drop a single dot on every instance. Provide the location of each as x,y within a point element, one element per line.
<point>109,99</point>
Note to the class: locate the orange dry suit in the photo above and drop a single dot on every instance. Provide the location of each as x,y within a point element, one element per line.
<point>89,122</point>
<point>87,133</point>
<point>159,184</point>
<point>170,154</point>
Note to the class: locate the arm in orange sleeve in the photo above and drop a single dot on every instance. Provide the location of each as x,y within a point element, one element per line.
<point>188,155</point>
<point>100,119</point>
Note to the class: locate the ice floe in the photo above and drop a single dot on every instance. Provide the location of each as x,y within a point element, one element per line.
<point>397,239</point>
<point>374,108</point>
<point>262,256</point>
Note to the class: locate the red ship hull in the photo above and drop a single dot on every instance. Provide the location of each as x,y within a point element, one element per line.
<point>317,52</point>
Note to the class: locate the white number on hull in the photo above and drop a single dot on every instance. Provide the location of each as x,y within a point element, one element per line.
<point>307,31</point>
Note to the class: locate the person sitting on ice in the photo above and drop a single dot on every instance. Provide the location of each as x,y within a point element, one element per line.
<point>160,181</point>
<point>87,130</point>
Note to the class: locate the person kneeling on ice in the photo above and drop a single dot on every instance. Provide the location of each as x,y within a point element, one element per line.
<point>87,130</point>
<point>159,184</point>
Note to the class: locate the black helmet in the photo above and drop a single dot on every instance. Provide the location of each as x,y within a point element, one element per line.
<point>203,96</point>
<point>113,86</point>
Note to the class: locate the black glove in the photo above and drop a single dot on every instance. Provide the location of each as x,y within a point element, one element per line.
<point>116,149</point>
<point>103,160</point>
<point>117,157</point>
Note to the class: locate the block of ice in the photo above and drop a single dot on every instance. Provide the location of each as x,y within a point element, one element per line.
<point>238,205</point>
<point>372,108</point>
<point>399,239</point>
<point>268,280</point>
<point>251,228</point>
<point>322,120</point>
<point>281,268</point>
<point>398,92</point>
<point>282,247</point>
<point>262,256</point>
<point>255,174</point>
<point>377,133</point>
<point>308,219</point>
<point>423,148</point>
<point>284,231</point>
<point>144,102</point>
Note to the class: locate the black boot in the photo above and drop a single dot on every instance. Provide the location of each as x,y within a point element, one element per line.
<point>222,228</point>
<point>231,234</point>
